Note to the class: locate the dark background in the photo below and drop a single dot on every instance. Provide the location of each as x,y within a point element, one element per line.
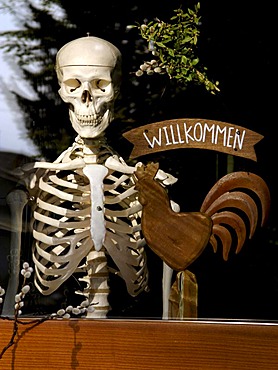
<point>237,46</point>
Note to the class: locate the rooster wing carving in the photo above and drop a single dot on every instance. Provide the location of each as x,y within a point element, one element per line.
<point>179,238</point>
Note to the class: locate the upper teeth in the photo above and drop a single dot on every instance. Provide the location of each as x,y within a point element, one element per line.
<point>90,120</point>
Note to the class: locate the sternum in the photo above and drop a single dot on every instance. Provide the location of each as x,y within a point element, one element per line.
<point>96,174</point>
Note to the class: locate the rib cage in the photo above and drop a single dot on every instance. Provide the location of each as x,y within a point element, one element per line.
<point>61,223</point>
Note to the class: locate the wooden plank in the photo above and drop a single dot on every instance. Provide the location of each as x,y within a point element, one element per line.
<point>185,133</point>
<point>139,344</point>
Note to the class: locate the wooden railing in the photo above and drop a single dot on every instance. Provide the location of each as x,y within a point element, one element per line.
<point>139,345</point>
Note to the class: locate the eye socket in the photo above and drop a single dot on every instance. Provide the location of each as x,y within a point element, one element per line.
<point>72,84</point>
<point>101,84</point>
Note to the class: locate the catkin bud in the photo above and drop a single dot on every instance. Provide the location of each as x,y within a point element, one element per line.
<point>157,70</point>
<point>61,312</point>
<point>18,297</point>
<point>25,289</point>
<point>27,274</point>
<point>85,303</point>
<point>143,67</point>
<point>76,311</point>
<point>139,73</point>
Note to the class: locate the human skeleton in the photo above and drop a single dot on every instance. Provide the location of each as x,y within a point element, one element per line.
<point>86,205</point>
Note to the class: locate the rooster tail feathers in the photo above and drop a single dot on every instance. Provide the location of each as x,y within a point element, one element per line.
<point>237,200</point>
<point>228,200</point>
<point>236,223</point>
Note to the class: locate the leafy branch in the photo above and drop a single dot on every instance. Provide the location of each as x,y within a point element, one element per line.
<point>174,49</point>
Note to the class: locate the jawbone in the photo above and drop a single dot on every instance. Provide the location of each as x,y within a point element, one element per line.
<point>90,126</point>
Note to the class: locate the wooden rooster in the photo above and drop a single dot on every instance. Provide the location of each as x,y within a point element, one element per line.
<point>179,238</point>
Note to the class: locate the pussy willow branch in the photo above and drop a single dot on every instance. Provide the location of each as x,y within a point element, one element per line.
<point>85,306</point>
<point>15,329</point>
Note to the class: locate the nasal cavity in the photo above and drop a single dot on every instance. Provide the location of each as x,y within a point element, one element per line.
<point>86,97</point>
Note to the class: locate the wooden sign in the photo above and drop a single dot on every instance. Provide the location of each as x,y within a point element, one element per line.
<point>193,133</point>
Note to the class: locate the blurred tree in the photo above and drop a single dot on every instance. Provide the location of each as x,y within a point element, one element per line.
<point>34,47</point>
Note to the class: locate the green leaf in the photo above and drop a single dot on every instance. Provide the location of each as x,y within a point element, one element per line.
<point>184,59</point>
<point>195,61</point>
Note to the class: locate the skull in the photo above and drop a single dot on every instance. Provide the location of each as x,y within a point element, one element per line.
<point>89,75</point>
